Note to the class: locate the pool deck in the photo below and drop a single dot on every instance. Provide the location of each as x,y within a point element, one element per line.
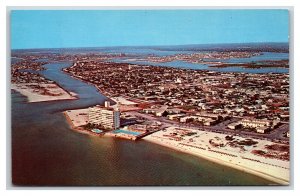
<point>126,136</point>
<point>79,117</point>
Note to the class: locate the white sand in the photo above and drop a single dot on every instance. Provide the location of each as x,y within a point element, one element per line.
<point>34,93</point>
<point>78,117</point>
<point>271,169</point>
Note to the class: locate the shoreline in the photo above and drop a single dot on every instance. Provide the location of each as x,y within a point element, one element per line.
<point>78,129</point>
<point>33,97</point>
<point>240,167</point>
<point>280,181</point>
<point>277,180</point>
<point>81,130</point>
<point>87,82</point>
<point>184,148</point>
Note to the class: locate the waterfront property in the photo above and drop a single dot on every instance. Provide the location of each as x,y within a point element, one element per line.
<point>259,125</point>
<point>126,132</point>
<point>97,131</point>
<point>185,164</point>
<point>201,99</point>
<point>106,117</point>
<point>191,98</point>
<point>267,159</point>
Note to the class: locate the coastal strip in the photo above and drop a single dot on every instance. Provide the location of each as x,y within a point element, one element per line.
<point>254,165</point>
<point>242,157</point>
<point>199,145</point>
<point>77,128</point>
<point>43,92</point>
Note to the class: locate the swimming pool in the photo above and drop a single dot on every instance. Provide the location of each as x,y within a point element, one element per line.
<point>127,132</point>
<point>97,131</point>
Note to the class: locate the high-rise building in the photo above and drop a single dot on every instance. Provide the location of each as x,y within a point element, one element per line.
<point>105,116</point>
<point>107,104</point>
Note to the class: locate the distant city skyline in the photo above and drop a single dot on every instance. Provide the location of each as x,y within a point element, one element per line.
<point>105,28</point>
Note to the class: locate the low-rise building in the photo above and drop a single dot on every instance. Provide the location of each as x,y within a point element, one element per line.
<point>175,116</point>
<point>261,126</point>
<point>157,111</point>
<point>234,125</point>
<point>186,119</point>
<point>255,123</point>
<point>263,129</point>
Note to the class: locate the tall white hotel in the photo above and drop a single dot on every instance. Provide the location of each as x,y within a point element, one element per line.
<point>107,116</point>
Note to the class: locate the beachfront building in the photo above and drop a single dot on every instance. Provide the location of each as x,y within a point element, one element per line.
<point>263,129</point>
<point>107,104</point>
<point>107,117</point>
<point>204,120</point>
<point>261,126</point>
<point>234,125</point>
<point>255,123</point>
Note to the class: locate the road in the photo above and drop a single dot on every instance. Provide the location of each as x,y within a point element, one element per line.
<point>277,134</point>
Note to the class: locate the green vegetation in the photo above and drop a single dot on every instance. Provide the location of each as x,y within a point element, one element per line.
<point>247,142</point>
<point>90,126</point>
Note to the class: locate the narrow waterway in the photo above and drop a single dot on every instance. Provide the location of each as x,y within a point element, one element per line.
<point>45,151</point>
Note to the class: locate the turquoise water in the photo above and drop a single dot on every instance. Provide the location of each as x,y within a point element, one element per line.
<point>127,132</point>
<point>97,131</point>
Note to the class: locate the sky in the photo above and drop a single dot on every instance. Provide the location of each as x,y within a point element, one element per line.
<point>100,28</point>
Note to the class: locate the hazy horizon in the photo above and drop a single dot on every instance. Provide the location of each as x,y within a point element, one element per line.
<point>154,46</point>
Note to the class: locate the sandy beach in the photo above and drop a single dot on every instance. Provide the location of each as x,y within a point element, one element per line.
<point>42,92</point>
<point>199,145</point>
<point>76,118</point>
